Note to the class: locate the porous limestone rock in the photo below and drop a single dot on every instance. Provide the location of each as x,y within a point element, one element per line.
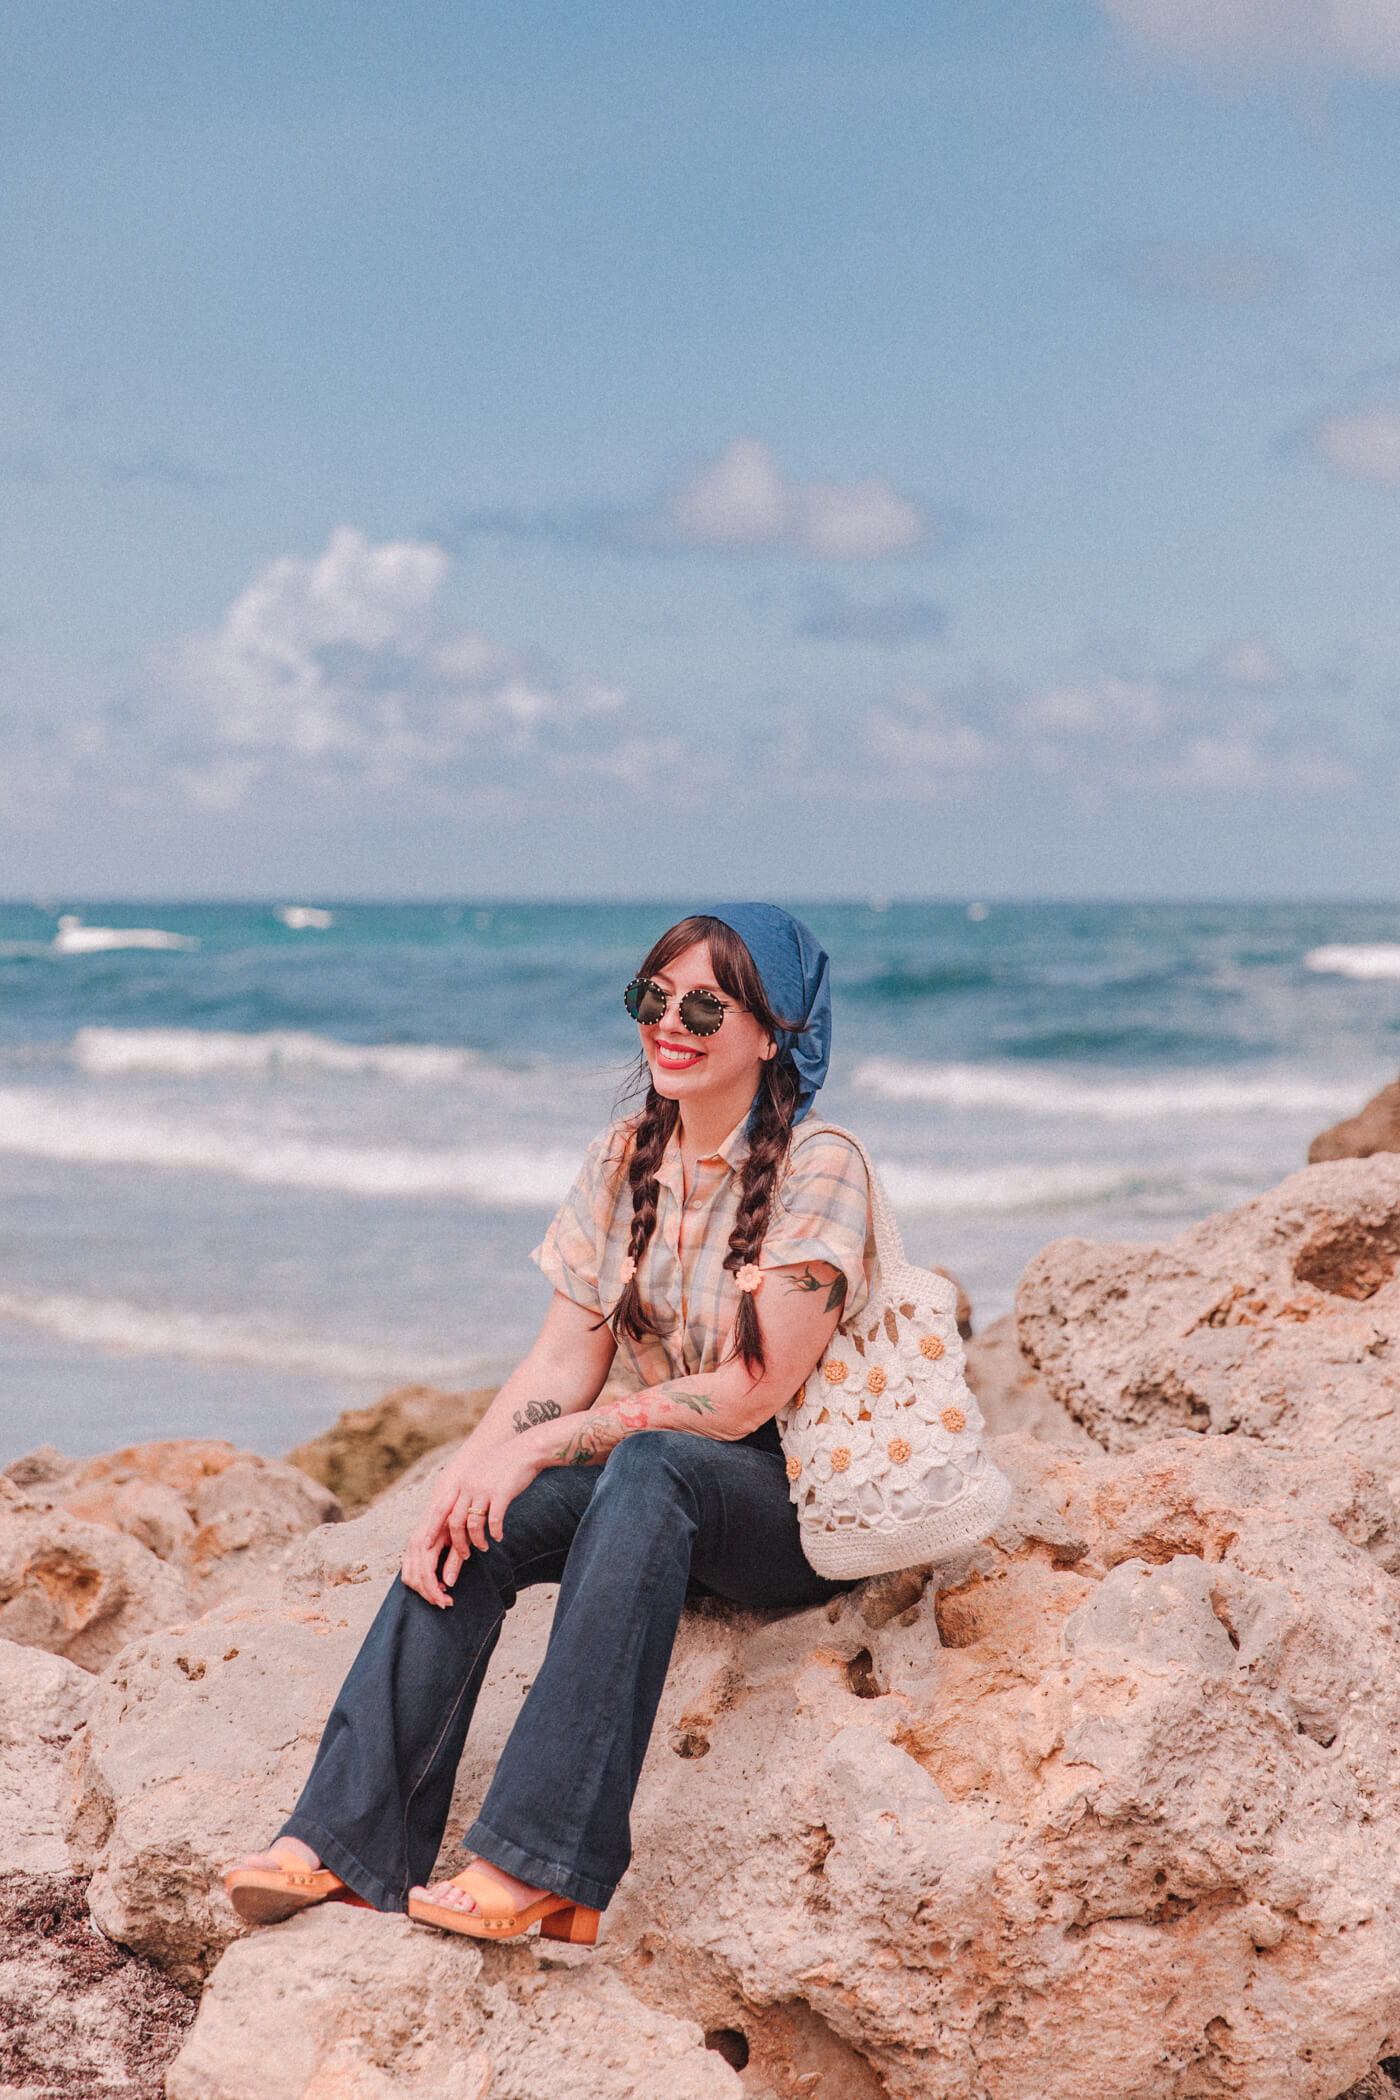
<point>219,1515</point>
<point>1114,1819</point>
<point>1279,1321</point>
<point>367,1448</point>
<point>1375,1128</point>
<point>200,1736</point>
<point>373,2008</point>
<point>1013,1397</point>
<point>78,1589</point>
<point>42,1698</point>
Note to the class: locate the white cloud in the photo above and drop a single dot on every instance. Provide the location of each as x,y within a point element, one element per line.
<point>1249,662</point>
<point>1097,706</point>
<point>1359,36</point>
<point>741,502</point>
<point>915,732</point>
<point>1235,760</point>
<point>343,661</point>
<point>1364,446</point>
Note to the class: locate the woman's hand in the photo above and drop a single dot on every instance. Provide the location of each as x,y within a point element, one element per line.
<point>473,1493</point>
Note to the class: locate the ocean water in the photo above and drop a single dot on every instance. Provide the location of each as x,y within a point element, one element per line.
<point>269,1172</point>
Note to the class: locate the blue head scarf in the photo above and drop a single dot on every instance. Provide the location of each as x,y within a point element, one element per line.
<point>795,970</point>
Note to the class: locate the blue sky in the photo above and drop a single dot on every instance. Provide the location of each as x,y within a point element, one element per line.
<point>935,449</point>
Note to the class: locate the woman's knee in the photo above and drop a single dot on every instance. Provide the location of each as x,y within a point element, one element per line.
<point>654,1460</point>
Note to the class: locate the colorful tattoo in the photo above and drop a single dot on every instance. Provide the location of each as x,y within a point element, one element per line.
<point>605,1427</point>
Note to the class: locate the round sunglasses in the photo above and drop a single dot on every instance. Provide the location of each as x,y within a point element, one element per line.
<point>701,1013</point>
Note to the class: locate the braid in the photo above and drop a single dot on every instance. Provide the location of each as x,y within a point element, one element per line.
<point>768,1146</point>
<point>653,1133</point>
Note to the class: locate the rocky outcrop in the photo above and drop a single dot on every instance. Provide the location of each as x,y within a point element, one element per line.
<point>1375,1128</point>
<point>78,1589</point>
<point>42,1701</point>
<point>217,1515</point>
<point>78,2017</point>
<point>1013,1397</point>
<point>371,2008</point>
<point>1278,1321</point>
<point>200,1736</point>
<point>1131,1782</point>
<point>367,1448</point>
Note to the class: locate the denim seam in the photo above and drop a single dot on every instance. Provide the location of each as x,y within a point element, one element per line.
<point>429,1761</point>
<point>650,1579</point>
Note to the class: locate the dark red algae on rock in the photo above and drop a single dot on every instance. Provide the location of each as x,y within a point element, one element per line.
<point>80,2018</point>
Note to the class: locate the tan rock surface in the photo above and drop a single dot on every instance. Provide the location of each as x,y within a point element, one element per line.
<point>367,1448</point>
<point>1279,1320</point>
<point>1375,1128</point>
<point>219,1515</point>
<point>1013,1397</point>
<point>1141,1796</point>
<point>78,1589</point>
<point>200,1737</point>
<point>371,2008</point>
<point>42,1701</point>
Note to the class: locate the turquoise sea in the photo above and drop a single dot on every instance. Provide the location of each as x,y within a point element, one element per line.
<point>301,1156</point>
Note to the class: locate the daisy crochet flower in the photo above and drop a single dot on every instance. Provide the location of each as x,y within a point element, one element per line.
<point>628,1269</point>
<point>749,1277</point>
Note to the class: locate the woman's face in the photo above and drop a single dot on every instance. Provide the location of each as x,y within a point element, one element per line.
<point>687,1067</point>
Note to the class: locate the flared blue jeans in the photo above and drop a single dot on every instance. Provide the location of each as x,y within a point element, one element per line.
<point>625,1542</point>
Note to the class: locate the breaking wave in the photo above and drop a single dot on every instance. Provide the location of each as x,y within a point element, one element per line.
<point>1123,1100</point>
<point>194,1052</point>
<point>36,1125</point>
<point>137,1330</point>
<point>1375,959</point>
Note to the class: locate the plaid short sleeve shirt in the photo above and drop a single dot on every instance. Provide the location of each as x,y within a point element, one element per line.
<point>821,1213</point>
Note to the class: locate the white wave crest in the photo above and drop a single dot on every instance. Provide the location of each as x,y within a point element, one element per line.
<point>1375,959</point>
<point>954,1192</point>
<point>37,1125</point>
<point>192,1052</point>
<point>138,1330</point>
<point>1030,1092</point>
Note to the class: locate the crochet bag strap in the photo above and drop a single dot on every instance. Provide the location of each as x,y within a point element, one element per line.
<point>889,1242</point>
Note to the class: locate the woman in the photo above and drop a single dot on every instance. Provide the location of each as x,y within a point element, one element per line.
<point>702,1259</point>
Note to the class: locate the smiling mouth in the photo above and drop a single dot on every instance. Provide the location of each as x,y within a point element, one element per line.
<point>677,1057</point>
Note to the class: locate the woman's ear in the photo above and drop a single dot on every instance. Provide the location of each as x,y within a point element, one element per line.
<point>770,1049</point>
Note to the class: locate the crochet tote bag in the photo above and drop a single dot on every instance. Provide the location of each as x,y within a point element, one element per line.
<point>884,1443</point>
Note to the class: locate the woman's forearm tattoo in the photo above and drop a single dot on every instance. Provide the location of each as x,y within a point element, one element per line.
<point>604,1429</point>
<point>533,1413</point>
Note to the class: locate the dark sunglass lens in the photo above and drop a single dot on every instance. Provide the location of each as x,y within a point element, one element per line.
<point>645,1001</point>
<point>702,1013</point>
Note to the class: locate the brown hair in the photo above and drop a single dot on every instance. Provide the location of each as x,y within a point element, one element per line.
<point>771,1129</point>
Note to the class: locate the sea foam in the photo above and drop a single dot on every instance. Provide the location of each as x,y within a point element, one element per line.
<point>39,1125</point>
<point>193,1052</point>
<point>137,1330</point>
<point>1030,1092</point>
<point>1374,959</point>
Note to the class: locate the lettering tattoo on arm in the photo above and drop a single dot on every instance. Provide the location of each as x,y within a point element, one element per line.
<point>535,1412</point>
<point>807,1282</point>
